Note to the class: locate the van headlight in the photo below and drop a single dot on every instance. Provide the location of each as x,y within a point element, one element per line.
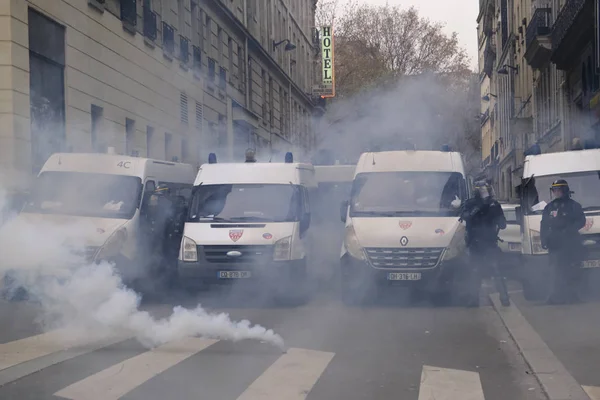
<point>536,242</point>
<point>353,245</point>
<point>113,245</point>
<point>189,250</point>
<point>457,245</point>
<point>283,249</point>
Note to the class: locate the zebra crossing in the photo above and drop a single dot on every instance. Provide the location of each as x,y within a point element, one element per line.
<point>291,375</point>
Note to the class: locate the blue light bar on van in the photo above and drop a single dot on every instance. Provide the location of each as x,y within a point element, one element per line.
<point>212,158</point>
<point>289,157</point>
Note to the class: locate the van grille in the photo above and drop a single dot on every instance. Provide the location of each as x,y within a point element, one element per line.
<point>419,257</point>
<point>250,254</point>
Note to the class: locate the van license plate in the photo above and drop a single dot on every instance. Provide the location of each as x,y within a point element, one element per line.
<point>234,274</point>
<point>404,276</point>
<point>591,264</point>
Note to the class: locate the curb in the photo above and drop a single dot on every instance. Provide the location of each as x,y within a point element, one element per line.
<point>553,377</point>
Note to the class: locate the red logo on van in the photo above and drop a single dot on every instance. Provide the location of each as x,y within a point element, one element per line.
<point>589,222</point>
<point>235,234</point>
<point>405,224</point>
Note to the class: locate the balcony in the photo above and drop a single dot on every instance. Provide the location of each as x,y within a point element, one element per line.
<point>489,56</point>
<point>572,30</point>
<point>538,45</point>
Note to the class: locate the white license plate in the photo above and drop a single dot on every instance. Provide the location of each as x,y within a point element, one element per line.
<point>514,246</point>
<point>591,264</point>
<point>234,274</point>
<point>404,276</point>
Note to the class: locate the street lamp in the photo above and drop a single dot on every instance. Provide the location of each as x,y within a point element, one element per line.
<point>288,47</point>
<point>504,69</point>
<point>487,97</point>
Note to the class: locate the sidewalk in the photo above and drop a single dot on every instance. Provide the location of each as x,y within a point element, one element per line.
<point>571,331</point>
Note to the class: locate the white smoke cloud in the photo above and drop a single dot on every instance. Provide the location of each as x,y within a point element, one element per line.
<point>90,300</point>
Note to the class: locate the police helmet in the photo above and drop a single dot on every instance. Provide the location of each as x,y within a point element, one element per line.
<point>560,188</point>
<point>483,189</point>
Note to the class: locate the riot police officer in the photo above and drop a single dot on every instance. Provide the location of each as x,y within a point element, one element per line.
<point>484,218</point>
<point>562,219</point>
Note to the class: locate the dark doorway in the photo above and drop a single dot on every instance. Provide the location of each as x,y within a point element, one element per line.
<point>47,87</point>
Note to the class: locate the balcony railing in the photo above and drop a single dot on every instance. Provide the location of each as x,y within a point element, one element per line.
<point>540,25</point>
<point>565,20</point>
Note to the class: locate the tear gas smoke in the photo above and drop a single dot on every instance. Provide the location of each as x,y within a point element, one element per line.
<point>420,112</point>
<point>90,300</point>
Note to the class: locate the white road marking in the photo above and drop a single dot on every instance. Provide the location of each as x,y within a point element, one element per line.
<point>291,377</point>
<point>33,347</point>
<point>449,384</point>
<point>116,381</point>
<point>593,392</point>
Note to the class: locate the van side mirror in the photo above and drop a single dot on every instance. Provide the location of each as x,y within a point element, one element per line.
<point>344,210</point>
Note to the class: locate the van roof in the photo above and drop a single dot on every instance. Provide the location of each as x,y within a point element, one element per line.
<point>410,160</point>
<point>244,173</point>
<point>114,164</point>
<point>334,173</point>
<point>561,163</point>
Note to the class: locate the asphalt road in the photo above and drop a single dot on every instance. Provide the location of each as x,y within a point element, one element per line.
<point>387,351</point>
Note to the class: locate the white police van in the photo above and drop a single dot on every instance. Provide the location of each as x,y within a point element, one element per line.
<point>249,222</point>
<point>107,197</point>
<point>402,223</point>
<point>581,169</point>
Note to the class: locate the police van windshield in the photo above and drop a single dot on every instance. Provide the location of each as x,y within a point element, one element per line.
<point>245,202</point>
<point>407,194</point>
<point>584,185</point>
<point>85,195</point>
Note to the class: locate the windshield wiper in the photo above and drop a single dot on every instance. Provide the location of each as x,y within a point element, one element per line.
<point>258,219</point>
<point>215,219</point>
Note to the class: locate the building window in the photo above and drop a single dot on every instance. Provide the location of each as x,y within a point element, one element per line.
<point>241,70</point>
<point>197,61</point>
<point>220,44</point>
<point>211,69</point>
<point>168,39</point>
<point>149,141</point>
<point>199,116</point>
<point>168,143</point>
<point>230,56</point>
<point>129,136</point>
<point>184,49</point>
<point>183,106</point>
<point>150,28</point>
<point>184,150</point>
<point>46,87</point>
<point>264,96</point>
<point>129,14</point>
<point>97,115</point>
<point>222,78</point>
<point>250,84</point>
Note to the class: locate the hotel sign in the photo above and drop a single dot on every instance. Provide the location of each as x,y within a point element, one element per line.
<point>326,88</point>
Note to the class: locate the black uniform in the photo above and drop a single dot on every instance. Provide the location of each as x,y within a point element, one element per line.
<point>562,219</point>
<point>484,218</point>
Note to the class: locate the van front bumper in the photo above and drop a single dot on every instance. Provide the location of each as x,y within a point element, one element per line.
<point>361,271</point>
<point>202,273</point>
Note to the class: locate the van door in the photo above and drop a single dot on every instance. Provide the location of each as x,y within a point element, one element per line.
<point>145,233</point>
